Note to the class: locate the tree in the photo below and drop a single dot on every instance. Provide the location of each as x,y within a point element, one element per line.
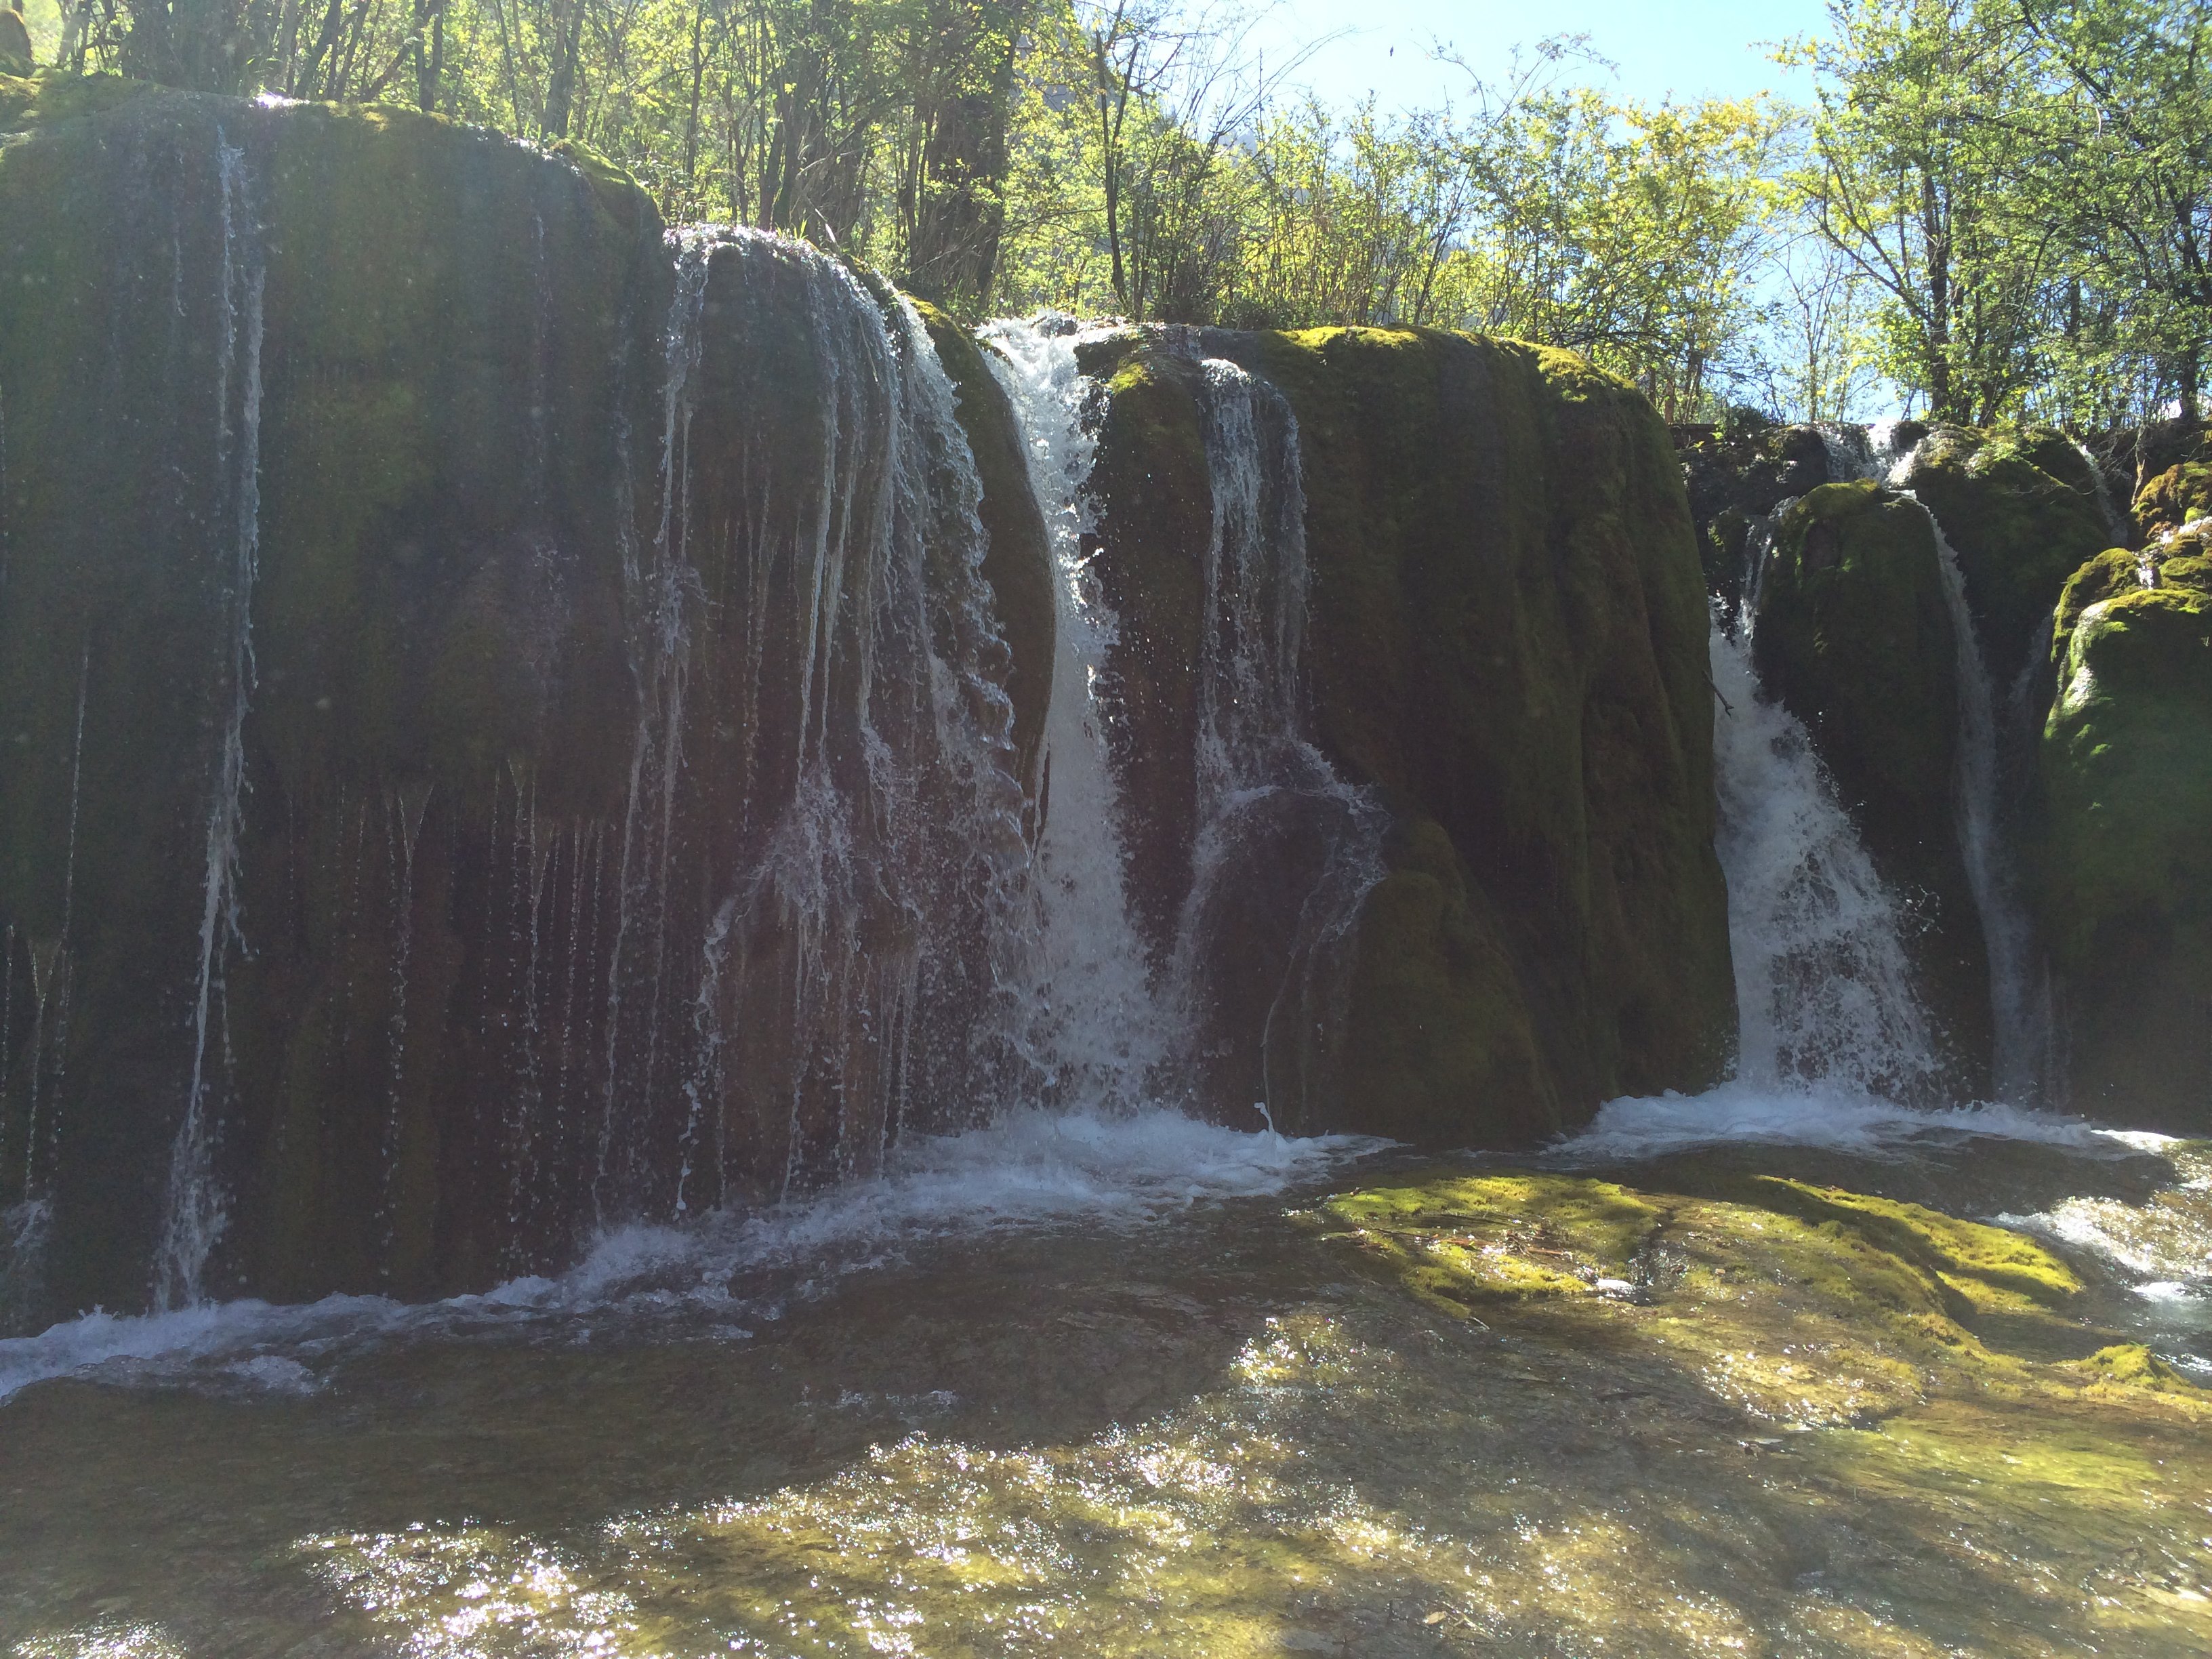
<point>2127,167</point>
<point>1922,130</point>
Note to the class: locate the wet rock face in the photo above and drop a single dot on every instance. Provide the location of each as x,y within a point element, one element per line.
<point>311,519</point>
<point>1504,642</point>
<point>1854,635</point>
<point>2126,868</point>
<point>413,724</point>
<point>1738,474</point>
<point>2022,511</point>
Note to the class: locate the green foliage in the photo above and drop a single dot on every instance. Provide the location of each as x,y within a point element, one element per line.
<point>2028,187</point>
<point>2001,210</point>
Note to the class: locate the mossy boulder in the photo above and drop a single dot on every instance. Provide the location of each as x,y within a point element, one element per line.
<point>406,645</point>
<point>2181,494</point>
<point>2125,863</point>
<point>1505,640</point>
<point>1855,636</point>
<point>2022,511</point>
<point>1736,478</point>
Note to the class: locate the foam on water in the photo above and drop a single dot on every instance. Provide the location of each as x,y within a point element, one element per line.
<point>2162,1248</point>
<point>1032,1169</point>
<point>1835,1118</point>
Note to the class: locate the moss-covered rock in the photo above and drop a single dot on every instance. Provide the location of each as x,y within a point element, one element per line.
<point>2126,887</point>
<point>1855,636</point>
<point>1807,1305</point>
<point>2181,494</point>
<point>1505,637</point>
<point>2021,509</point>
<point>367,463</point>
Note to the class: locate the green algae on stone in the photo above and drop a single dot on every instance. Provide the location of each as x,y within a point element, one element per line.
<point>2124,886</point>
<point>1805,1306</point>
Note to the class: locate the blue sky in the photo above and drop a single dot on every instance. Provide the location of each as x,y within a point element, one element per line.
<point>1687,50</point>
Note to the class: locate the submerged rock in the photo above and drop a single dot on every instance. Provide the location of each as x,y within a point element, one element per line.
<point>2126,864</point>
<point>1902,1303</point>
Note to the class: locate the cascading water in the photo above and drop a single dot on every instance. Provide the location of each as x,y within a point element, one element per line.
<point>194,1218</point>
<point>2019,1000</point>
<point>1252,996</point>
<point>860,961</point>
<point>1823,982</point>
<point>1270,810</point>
<point>1095,1033</point>
<point>2117,525</point>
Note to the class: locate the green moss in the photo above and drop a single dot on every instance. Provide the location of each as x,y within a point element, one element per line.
<point>1941,1244</point>
<point>1436,1016</point>
<point>2020,509</point>
<point>2179,495</point>
<point>50,97</point>
<point>2125,886</point>
<point>2131,1366</point>
<point>1803,1304</point>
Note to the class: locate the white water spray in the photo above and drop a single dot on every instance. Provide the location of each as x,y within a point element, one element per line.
<point>1823,982</point>
<point>1096,1032</point>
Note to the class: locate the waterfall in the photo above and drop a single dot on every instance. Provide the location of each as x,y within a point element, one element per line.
<point>2116,522</point>
<point>195,1212</point>
<point>1269,804</point>
<point>1097,1034</point>
<point>1871,453</point>
<point>1278,832</point>
<point>2018,997</point>
<point>2018,1002</point>
<point>1823,982</point>
<point>810,607</point>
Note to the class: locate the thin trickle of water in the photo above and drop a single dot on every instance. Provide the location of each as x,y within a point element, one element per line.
<point>402,831</point>
<point>654,598</point>
<point>1823,982</point>
<point>1095,1033</point>
<point>858,950</point>
<point>2019,1006</point>
<point>195,1211</point>
<point>1267,799</point>
<point>2116,522</point>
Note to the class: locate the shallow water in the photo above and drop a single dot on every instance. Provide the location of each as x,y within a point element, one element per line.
<point>1140,1402</point>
